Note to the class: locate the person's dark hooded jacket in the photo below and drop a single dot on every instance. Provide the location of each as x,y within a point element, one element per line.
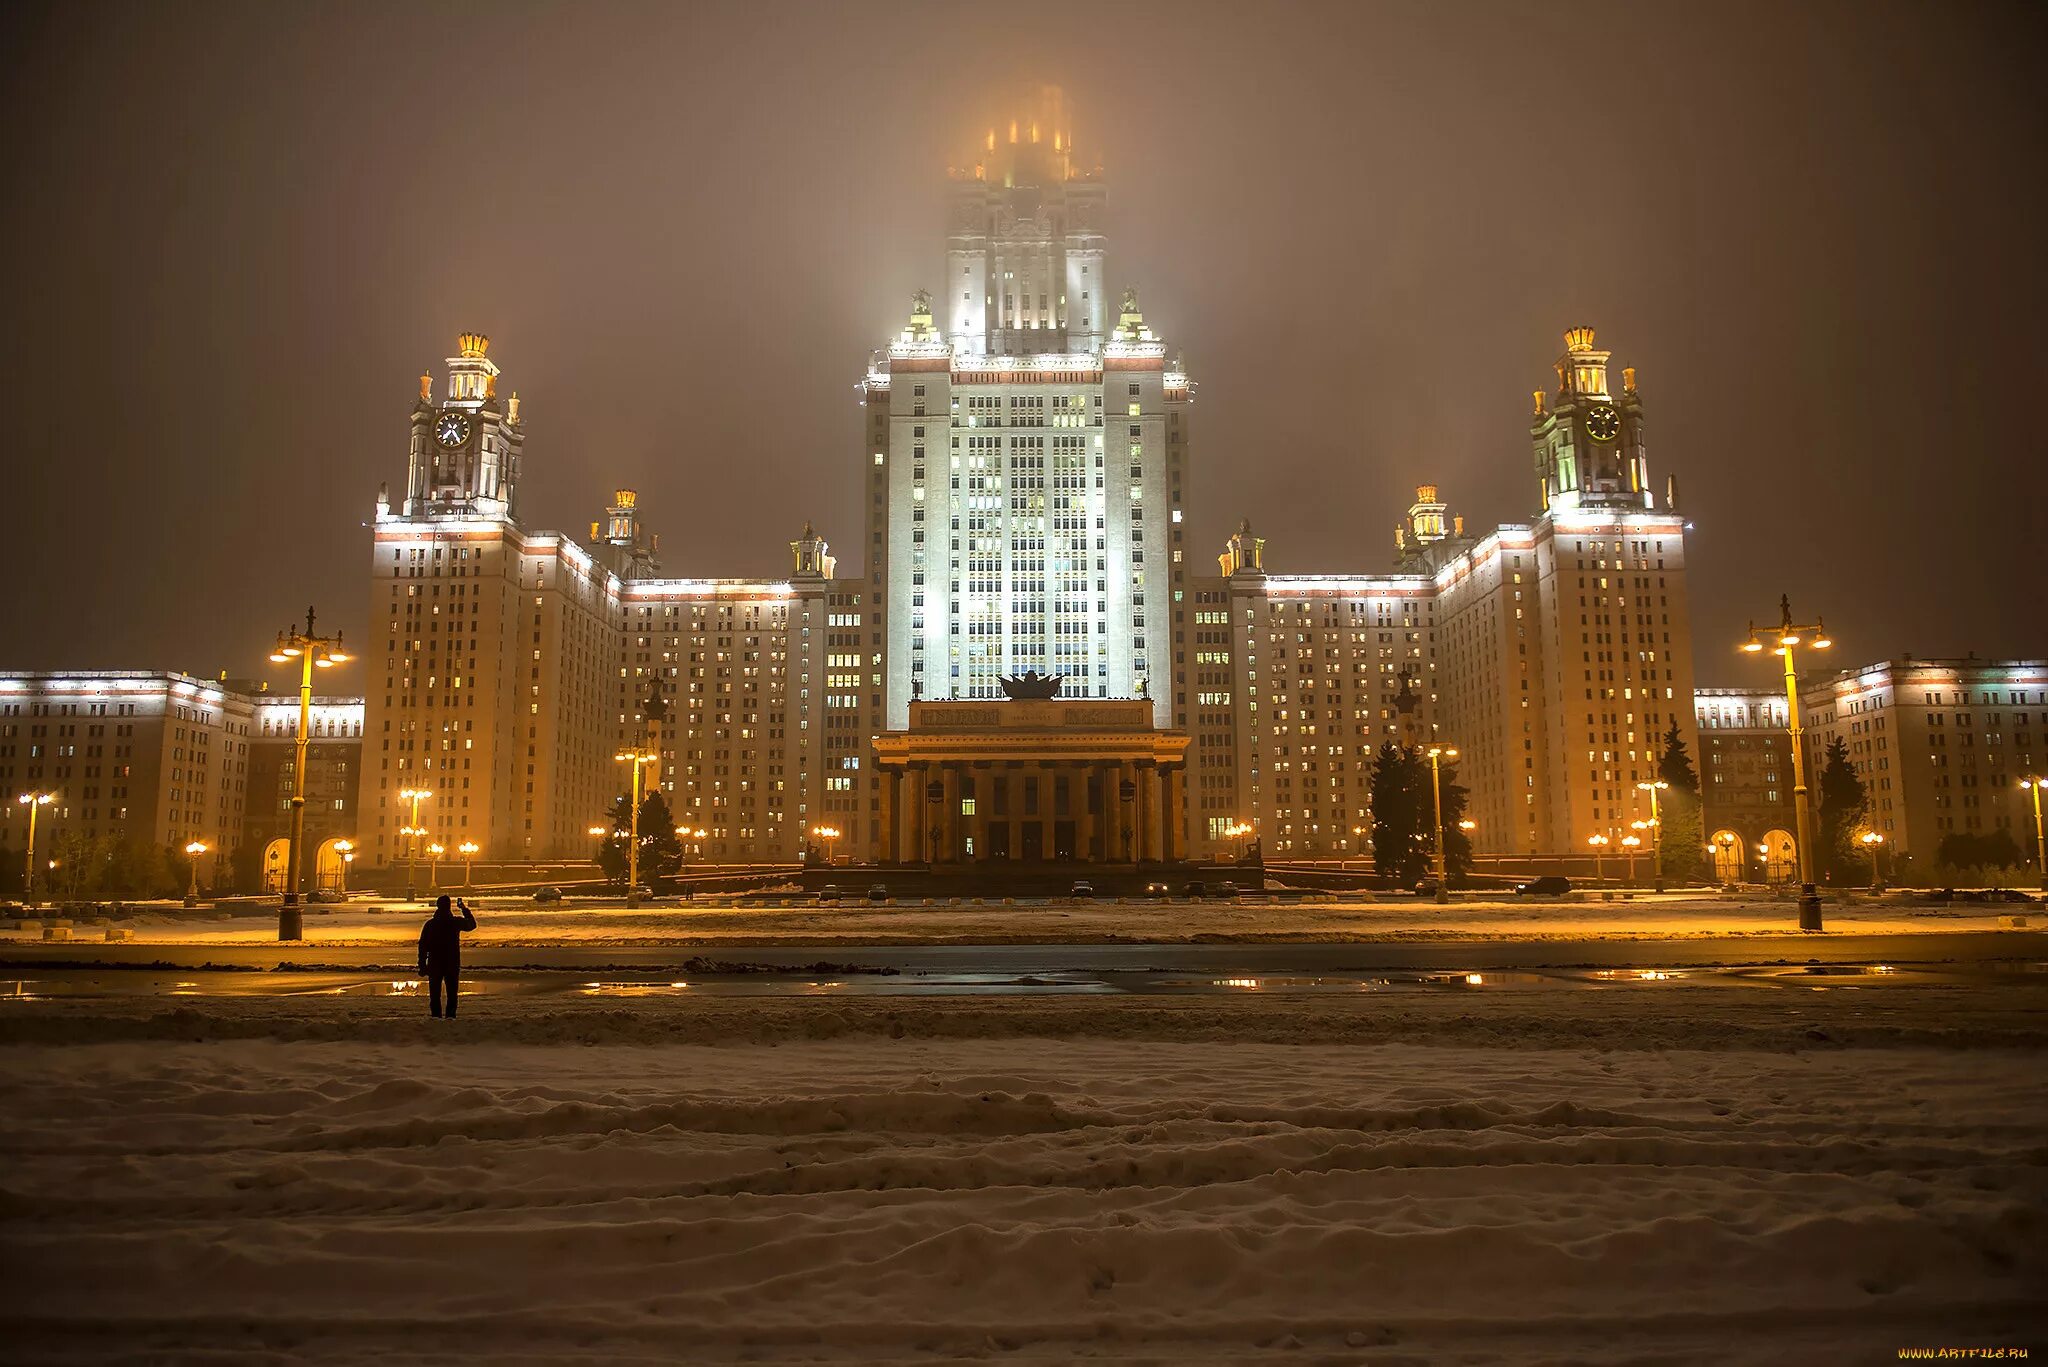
<point>441,939</point>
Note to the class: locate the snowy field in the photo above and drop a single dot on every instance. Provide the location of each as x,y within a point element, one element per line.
<point>1692,1176</point>
<point>714,921</point>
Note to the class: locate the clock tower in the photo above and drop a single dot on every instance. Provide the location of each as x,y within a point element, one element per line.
<point>465,449</point>
<point>1588,442</point>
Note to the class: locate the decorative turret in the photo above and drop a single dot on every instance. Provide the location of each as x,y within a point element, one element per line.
<point>622,540</point>
<point>1588,444</point>
<point>1243,553</point>
<point>465,451</point>
<point>813,557</point>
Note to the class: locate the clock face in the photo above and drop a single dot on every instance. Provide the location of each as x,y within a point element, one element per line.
<point>452,430</point>
<point>1603,423</point>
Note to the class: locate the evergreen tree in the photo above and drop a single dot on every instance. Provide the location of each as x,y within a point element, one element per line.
<point>660,852</point>
<point>1404,817</point>
<point>1396,823</point>
<point>1683,832</point>
<point>1843,803</point>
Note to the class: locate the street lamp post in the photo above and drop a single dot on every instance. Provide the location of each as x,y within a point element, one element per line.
<point>1653,787</point>
<point>434,852</point>
<point>312,651</point>
<point>1358,834</point>
<point>1437,755</point>
<point>1599,843</point>
<point>1871,840</point>
<point>1790,634</point>
<point>193,849</point>
<point>2035,784</point>
<point>684,835</point>
<point>468,850</point>
<point>35,802</point>
<point>1729,844</point>
<point>347,850</point>
<point>412,832</point>
<point>638,759</point>
<point>829,835</point>
<point>1632,843</point>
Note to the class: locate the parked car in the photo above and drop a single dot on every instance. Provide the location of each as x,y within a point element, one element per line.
<point>829,893</point>
<point>1549,885</point>
<point>878,893</point>
<point>327,895</point>
<point>549,894</point>
<point>1226,888</point>
<point>1424,887</point>
<point>1158,890</point>
<point>1197,888</point>
<point>1082,888</point>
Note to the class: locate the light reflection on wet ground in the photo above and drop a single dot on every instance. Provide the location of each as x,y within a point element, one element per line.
<point>84,984</point>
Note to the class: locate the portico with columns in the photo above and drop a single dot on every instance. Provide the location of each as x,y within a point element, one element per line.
<point>978,784</point>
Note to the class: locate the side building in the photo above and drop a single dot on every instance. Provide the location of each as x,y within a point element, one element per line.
<point>1940,745</point>
<point>137,757</point>
<point>1553,655</point>
<point>508,668</point>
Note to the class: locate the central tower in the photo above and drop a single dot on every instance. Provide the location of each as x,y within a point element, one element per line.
<point>1024,245</point>
<point>1027,450</point>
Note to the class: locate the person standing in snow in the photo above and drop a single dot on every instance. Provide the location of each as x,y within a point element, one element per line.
<point>441,951</point>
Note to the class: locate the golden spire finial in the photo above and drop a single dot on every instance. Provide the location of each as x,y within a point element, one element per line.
<point>1537,394</point>
<point>426,387</point>
<point>474,345</point>
<point>1628,379</point>
<point>491,387</point>
<point>512,413</point>
<point>1578,339</point>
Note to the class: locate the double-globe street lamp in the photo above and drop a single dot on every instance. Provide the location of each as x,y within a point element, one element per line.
<point>638,760</point>
<point>413,831</point>
<point>467,849</point>
<point>1788,637</point>
<point>1437,755</point>
<point>1654,787</point>
<point>2034,783</point>
<point>1872,841</point>
<point>312,651</point>
<point>193,849</point>
<point>35,802</point>
<point>1599,844</point>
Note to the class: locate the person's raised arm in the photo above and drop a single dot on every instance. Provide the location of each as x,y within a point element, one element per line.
<point>468,916</point>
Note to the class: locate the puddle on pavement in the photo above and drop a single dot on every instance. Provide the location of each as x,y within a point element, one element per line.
<point>76,985</point>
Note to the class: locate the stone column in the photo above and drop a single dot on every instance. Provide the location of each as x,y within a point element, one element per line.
<point>885,835</point>
<point>1047,777</point>
<point>949,813</point>
<point>1175,805</point>
<point>1142,840</point>
<point>1084,817</point>
<point>1122,814</point>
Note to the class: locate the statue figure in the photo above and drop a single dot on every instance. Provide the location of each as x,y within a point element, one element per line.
<point>921,304</point>
<point>1130,299</point>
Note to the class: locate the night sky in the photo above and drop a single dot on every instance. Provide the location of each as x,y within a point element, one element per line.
<point>232,237</point>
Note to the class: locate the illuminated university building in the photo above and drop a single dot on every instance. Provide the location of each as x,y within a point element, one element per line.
<point>1026,443</point>
<point>506,668</point>
<point>1553,654</point>
<point>136,757</point>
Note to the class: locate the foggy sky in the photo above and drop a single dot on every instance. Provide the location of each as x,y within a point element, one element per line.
<point>233,236</point>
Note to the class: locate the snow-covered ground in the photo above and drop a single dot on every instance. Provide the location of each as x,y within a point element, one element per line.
<point>1698,1175</point>
<point>795,921</point>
